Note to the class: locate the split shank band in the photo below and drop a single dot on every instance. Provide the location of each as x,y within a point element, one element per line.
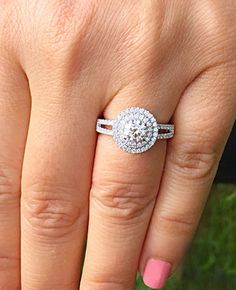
<point>135,129</point>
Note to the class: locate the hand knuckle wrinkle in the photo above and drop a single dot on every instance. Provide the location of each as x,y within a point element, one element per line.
<point>122,200</point>
<point>193,161</point>
<point>51,212</point>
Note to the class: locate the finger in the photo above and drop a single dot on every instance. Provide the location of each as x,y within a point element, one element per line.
<point>56,182</point>
<point>203,120</point>
<point>14,116</point>
<point>122,197</point>
<point>121,201</point>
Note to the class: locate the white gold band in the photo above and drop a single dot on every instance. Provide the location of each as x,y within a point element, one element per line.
<point>106,122</point>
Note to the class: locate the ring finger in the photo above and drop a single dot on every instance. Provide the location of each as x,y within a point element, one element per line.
<point>122,197</point>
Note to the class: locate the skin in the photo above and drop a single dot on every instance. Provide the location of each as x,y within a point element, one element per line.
<point>62,65</point>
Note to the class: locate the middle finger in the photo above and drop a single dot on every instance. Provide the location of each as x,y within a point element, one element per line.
<point>55,185</point>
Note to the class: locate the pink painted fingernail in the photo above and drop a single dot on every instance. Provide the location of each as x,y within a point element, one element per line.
<point>156,273</point>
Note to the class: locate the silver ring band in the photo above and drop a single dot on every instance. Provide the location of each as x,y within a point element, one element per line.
<point>106,122</point>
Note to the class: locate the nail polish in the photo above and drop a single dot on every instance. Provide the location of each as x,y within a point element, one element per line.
<point>156,273</point>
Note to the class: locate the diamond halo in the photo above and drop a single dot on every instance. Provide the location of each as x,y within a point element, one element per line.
<point>135,130</point>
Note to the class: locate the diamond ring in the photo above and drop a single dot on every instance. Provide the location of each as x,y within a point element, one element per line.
<point>135,130</point>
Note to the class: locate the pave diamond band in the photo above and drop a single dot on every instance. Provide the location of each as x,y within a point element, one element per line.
<point>135,130</point>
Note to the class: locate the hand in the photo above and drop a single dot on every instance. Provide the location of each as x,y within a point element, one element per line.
<point>62,65</point>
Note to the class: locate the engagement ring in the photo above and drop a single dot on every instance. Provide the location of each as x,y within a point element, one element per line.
<point>135,130</point>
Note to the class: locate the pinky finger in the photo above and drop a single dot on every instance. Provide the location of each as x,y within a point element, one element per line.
<point>203,121</point>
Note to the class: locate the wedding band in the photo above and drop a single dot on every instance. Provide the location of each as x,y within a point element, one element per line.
<point>135,130</point>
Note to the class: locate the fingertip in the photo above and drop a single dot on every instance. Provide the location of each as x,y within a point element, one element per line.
<point>156,273</point>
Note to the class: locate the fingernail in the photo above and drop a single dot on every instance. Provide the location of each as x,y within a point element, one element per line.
<point>156,273</point>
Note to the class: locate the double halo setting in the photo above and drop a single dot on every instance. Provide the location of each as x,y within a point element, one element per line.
<point>135,130</point>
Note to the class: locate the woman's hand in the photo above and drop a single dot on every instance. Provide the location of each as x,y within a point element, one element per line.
<point>62,65</point>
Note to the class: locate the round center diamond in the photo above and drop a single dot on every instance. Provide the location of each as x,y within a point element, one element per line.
<point>135,130</point>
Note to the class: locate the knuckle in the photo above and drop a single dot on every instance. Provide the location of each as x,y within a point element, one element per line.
<point>122,200</point>
<point>176,224</point>
<point>218,16</point>
<point>193,160</point>
<point>8,263</point>
<point>213,14</point>
<point>66,16</point>
<point>9,267</point>
<point>67,19</point>
<point>51,210</point>
<point>9,185</point>
<point>101,283</point>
